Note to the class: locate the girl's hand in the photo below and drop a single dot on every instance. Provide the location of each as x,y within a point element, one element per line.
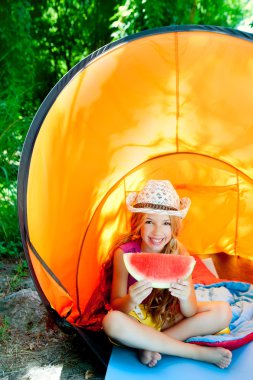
<point>181,289</point>
<point>139,291</point>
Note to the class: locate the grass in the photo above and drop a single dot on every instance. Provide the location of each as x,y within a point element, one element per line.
<point>10,241</point>
<point>4,329</point>
<point>13,274</point>
<point>13,128</point>
<point>20,272</point>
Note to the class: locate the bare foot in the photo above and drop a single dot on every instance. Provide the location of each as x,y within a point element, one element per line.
<point>216,355</point>
<point>149,358</point>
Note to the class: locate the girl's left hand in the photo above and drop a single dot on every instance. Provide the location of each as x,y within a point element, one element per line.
<point>181,289</point>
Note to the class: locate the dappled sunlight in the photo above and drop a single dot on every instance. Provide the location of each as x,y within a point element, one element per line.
<point>113,215</point>
<point>146,109</point>
<point>112,222</point>
<point>137,179</point>
<point>73,123</point>
<point>213,120</point>
<point>95,88</point>
<point>50,372</point>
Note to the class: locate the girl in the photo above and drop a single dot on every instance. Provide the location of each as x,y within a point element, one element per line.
<point>158,321</point>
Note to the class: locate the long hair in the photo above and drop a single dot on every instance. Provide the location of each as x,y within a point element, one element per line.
<point>162,306</point>
<point>160,303</point>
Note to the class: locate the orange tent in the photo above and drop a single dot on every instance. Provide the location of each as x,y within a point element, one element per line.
<point>171,103</point>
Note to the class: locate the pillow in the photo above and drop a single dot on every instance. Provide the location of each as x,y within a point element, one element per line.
<point>202,275</point>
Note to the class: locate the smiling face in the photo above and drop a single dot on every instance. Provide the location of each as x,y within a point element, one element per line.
<point>155,232</point>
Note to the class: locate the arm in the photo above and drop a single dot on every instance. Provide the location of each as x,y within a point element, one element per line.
<point>184,291</point>
<point>120,298</point>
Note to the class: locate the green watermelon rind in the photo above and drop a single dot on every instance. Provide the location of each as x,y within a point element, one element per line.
<point>155,284</point>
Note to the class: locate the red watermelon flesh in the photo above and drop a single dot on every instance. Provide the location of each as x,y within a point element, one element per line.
<point>160,269</point>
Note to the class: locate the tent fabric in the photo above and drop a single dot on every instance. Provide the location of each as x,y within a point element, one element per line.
<point>172,103</point>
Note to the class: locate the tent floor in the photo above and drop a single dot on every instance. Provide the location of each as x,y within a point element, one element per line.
<point>232,267</point>
<point>124,365</point>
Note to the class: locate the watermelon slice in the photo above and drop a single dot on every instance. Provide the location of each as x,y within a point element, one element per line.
<point>160,269</point>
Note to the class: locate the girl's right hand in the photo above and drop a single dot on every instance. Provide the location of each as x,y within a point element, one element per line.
<point>139,291</point>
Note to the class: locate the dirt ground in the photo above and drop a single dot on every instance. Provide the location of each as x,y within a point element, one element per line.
<point>42,353</point>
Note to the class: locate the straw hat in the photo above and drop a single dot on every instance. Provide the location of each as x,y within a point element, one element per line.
<point>158,197</point>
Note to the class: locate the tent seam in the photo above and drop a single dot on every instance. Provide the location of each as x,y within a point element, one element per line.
<point>177,87</point>
<point>237,212</point>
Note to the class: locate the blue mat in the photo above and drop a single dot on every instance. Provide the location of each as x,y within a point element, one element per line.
<point>124,365</point>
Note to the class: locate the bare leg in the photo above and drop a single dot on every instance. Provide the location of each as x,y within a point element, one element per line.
<point>134,334</point>
<point>210,318</point>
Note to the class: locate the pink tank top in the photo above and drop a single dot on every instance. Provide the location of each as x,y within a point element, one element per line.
<point>131,246</point>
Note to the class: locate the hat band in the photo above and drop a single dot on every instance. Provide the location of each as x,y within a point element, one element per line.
<point>154,206</point>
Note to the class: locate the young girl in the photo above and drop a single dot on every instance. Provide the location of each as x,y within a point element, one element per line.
<point>158,321</point>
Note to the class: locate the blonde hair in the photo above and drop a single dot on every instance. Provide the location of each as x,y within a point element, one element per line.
<point>160,303</point>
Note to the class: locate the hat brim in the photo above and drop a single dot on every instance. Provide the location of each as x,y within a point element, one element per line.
<point>184,203</point>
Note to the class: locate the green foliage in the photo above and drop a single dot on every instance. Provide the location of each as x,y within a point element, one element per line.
<point>136,15</point>
<point>21,269</point>
<point>64,32</point>
<point>41,40</point>
<point>20,272</point>
<point>15,106</point>
<point>4,329</point>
